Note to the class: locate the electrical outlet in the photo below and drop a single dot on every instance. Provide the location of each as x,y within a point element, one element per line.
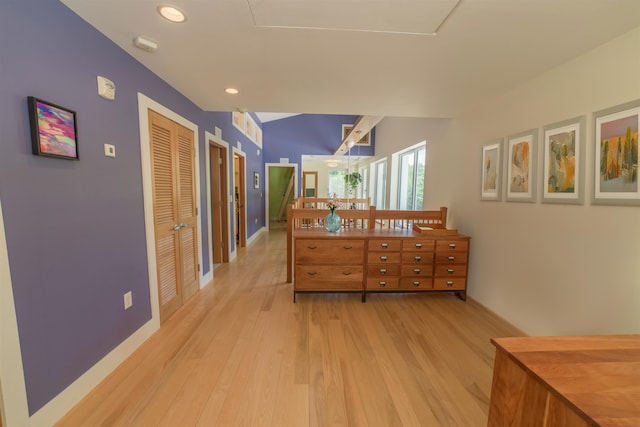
<point>109,150</point>
<point>128,300</point>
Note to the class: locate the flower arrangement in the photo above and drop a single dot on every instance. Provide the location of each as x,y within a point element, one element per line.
<point>333,202</point>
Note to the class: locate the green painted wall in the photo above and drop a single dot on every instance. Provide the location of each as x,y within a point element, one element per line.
<point>279,178</point>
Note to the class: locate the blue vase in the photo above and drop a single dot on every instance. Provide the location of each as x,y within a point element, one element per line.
<point>332,222</point>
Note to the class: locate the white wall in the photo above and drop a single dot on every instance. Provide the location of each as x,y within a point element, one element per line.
<point>397,133</point>
<point>548,269</point>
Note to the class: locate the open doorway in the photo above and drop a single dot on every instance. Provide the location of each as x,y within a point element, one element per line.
<point>281,189</point>
<point>219,176</point>
<point>240,198</point>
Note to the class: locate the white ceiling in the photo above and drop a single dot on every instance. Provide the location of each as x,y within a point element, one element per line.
<point>362,61</point>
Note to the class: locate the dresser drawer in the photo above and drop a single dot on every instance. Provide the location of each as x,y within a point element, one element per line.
<point>384,245</point>
<point>419,245</point>
<point>382,283</point>
<point>330,251</point>
<point>321,277</point>
<point>452,246</point>
<point>451,258</point>
<point>416,283</point>
<point>451,270</point>
<point>417,270</point>
<point>417,258</point>
<point>383,270</point>
<point>452,283</point>
<point>383,257</point>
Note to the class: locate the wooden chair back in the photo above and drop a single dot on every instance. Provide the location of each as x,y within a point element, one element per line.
<point>405,219</point>
<point>321,203</point>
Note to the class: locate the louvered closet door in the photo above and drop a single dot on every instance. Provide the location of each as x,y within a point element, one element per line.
<point>187,211</point>
<point>172,159</point>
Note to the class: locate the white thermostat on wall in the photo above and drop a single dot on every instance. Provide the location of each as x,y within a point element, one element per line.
<point>106,88</point>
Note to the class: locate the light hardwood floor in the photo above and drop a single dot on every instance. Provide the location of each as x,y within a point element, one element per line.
<point>241,353</point>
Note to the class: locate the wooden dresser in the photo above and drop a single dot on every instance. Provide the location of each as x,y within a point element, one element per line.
<point>566,381</point>
<point>374,260</point>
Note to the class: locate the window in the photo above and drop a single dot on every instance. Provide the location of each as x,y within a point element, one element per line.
<point>380,184</point>
<point>336,183</point>
<point>411,179</point>
<point>363,188</point>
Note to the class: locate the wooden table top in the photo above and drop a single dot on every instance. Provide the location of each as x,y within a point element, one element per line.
<point>599,376</point>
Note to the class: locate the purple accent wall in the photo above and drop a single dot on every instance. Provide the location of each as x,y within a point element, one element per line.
<point>253,163</point>
<point>75,229</point>
<point>308,134</point>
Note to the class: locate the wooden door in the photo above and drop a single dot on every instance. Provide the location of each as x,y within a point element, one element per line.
<point>175,214</point>
<point>219,205</point>
<point>310,184</point>
<point>241,215</point>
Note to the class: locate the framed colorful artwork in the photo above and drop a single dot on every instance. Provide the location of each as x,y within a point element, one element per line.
<point>54,131</point>
<point>521,166</point>
<point>616,155</point>
<point>491,171</point>
<point>563,158</point>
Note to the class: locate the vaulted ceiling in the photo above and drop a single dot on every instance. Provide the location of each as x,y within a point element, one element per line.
<point>363,57</point>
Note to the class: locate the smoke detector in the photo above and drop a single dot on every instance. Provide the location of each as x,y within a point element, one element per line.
<point>145,44</point>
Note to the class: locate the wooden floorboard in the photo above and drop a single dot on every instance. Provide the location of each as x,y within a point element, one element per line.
<point>241,353</point>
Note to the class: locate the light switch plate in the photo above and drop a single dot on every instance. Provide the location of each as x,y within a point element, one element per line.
<point>109,150</point>
<point>128,300</point>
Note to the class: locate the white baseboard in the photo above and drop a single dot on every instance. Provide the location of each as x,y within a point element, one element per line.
<point>50,413</point>
<point>255,235</point>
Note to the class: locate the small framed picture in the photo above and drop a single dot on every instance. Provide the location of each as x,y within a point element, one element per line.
<point>54,130</point>
<point>491,171</point>
<point>521,166</point>
<point>616,155</point>
<point>563,169</point>
<point>256,180</point>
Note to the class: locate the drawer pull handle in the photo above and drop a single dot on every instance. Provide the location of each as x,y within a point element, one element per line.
<point>419,245</point>
<point>382,284</point>
<point>312,273</point>
<point>383,271</point>
<point>384,245</point>
<point>417,258</point>
<point>383,258</point>
<point>450,270</point>
<point>346,273</point>
<point>416,284</point>
<point>348,247</point>
<point>452,245</point>
<point>449,283</point>
<point>312,247</point>
<point>416,270</point>
<point>451,258</point>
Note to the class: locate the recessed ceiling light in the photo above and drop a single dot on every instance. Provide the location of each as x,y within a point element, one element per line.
<point>172,13</point>
<point>231,90</point>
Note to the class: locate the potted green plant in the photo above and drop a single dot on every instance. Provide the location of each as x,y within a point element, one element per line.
<point>352,180</point>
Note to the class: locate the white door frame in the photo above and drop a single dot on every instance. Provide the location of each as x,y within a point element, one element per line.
<point>13,391</point>
<point>240,153</point>
<point>144,105</point>
<point>217,138</point>
<point>266,185</point>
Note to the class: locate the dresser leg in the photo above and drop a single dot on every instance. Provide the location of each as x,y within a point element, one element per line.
<point>364,296</point>
<point>294,297</point>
